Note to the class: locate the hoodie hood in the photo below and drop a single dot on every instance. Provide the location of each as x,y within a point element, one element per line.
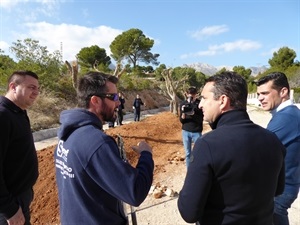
<point>72,119</point>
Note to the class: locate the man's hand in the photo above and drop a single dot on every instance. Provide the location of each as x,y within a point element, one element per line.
<point>183,116</point>
<point>142,146</point>
<point>17,219</point>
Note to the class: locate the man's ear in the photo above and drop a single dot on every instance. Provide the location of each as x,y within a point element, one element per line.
<point>94,101</point>
<point>224,102</point>
<point>12,86</point>
<point>284,92</point>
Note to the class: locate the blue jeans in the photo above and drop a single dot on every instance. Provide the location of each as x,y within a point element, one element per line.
<point>282,204</point>
<point>188,138</point>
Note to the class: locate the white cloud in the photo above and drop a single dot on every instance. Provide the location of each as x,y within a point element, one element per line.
<point>72,37</point>
<point>31,9</point>
<point>4,46</point>
<point>7,4</point>
<point>239,45</point>
<point>209,31</point>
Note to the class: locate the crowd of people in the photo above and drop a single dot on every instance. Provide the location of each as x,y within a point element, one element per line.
<point>238,173</point>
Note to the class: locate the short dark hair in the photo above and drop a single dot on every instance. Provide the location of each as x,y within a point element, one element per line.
<point>233,85</point>
<point>90,84</point>
<point>19,75</point>
<point>192,90</point>
<point>279,81</point>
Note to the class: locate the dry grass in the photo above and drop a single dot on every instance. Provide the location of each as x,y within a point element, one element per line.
<point>46,110</point>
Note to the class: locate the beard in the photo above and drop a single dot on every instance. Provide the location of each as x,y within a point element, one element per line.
<point>108,115</point>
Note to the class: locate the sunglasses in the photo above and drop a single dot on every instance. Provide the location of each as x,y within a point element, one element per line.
<point>110,96</point>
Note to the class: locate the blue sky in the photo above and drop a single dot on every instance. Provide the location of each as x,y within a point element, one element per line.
<point>219,33</point>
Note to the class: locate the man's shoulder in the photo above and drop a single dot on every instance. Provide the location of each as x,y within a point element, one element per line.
<point>294,108</point>
<point>289,111</point>
<point>3,103</point>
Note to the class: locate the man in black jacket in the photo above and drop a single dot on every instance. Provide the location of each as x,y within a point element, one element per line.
<point>18,158</point>
<point>120,109</point>
<point>137,103</point>
<point>238,167</point>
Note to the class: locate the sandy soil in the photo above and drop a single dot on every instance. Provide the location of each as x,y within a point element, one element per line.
<point>163,132</point>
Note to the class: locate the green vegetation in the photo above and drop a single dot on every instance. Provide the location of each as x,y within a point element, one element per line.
<point>58,79</point>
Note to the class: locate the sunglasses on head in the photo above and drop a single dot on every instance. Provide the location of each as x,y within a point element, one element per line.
<point>110,96</point>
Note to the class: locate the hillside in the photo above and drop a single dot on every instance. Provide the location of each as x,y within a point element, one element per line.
<point>45,112</point>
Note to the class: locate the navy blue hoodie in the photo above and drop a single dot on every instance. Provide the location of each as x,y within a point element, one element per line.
<point>92,179</point>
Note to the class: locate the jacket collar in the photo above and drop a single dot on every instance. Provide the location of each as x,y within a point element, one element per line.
<point>10,105</point>
<point>230,117</point>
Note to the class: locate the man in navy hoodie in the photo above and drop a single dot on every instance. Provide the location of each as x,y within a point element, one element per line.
<point>93,180</point>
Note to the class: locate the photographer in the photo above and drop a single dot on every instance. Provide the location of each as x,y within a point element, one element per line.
<point>191,118</point>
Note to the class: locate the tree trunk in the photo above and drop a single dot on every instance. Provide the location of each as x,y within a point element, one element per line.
<point>172,87</point>
<point>118,71</point>
<point>73,71</point>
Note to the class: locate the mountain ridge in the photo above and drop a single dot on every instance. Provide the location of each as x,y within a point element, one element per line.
<point>209,70</point>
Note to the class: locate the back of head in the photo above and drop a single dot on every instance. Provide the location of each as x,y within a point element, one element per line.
<point>90,84</point>
<point>279,81</point>
<point>233,85</point>
<point>19,76</point>
<point>192,91</point>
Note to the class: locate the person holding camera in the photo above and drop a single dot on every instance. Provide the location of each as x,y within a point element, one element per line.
<point>191,118</point>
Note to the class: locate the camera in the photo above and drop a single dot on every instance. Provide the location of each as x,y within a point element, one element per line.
<point>189,108</point>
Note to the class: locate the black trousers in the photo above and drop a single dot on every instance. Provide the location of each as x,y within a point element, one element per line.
<point>120,117</point>
<point>24,200</point>
<point>137,114</point>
